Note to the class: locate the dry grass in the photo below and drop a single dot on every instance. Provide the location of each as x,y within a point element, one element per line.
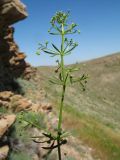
<point>104,140</point>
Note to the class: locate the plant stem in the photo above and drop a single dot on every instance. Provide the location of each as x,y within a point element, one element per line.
<point>59,149</point>
<point>63,94</point>
<point>62,54</point>
<point>61,108</point>
<point>60,121</point>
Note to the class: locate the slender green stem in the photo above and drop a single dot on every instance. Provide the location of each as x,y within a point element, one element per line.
<point>62,53</point>
<point>59,149</point>
<point>61,108</point>
<point>63,79</point>
<point>60,120</point>
<point>63,94</point>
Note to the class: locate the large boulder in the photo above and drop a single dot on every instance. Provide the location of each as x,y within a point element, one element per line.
<point>11,11</point>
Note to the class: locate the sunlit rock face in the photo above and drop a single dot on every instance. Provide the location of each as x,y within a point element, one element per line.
<point>12,63</point>
<point>11,11</point>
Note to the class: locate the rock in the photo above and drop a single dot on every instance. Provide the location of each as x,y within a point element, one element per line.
<point>5,123</point>
<point>46,107</point>
<point>11,11</point>
<point>4,104</point>
<point>36,108</point>
<point>12,61</point>
<point>5,96</point>
<point>29,72</point>
<point>4,152</point>
<point>17,103</point>
<point>23,105</point>
<point>41,107</point>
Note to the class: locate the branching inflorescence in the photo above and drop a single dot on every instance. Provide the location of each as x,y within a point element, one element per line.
<point>60,26</point>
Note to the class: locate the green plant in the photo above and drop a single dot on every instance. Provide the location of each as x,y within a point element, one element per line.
<point>3,110</point>
<point>22,132</point>
<point>19,156</point>
<point>61,27</point>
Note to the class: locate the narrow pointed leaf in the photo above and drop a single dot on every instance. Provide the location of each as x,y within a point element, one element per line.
<point>60,76</point>
<point>71,49</point>
<point>73,69</point>
<point>49,52</point>
<point>56,48</point>
<point>54,33</point>
<point>55,81</point>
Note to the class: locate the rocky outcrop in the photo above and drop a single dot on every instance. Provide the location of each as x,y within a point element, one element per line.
<point>6,122</point>
<point>11,11</point>
<point>12,61</point>
<point>18,103</point>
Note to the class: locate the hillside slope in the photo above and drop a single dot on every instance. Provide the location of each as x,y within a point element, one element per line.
<point>101,98</point>
<point>93,115</point>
